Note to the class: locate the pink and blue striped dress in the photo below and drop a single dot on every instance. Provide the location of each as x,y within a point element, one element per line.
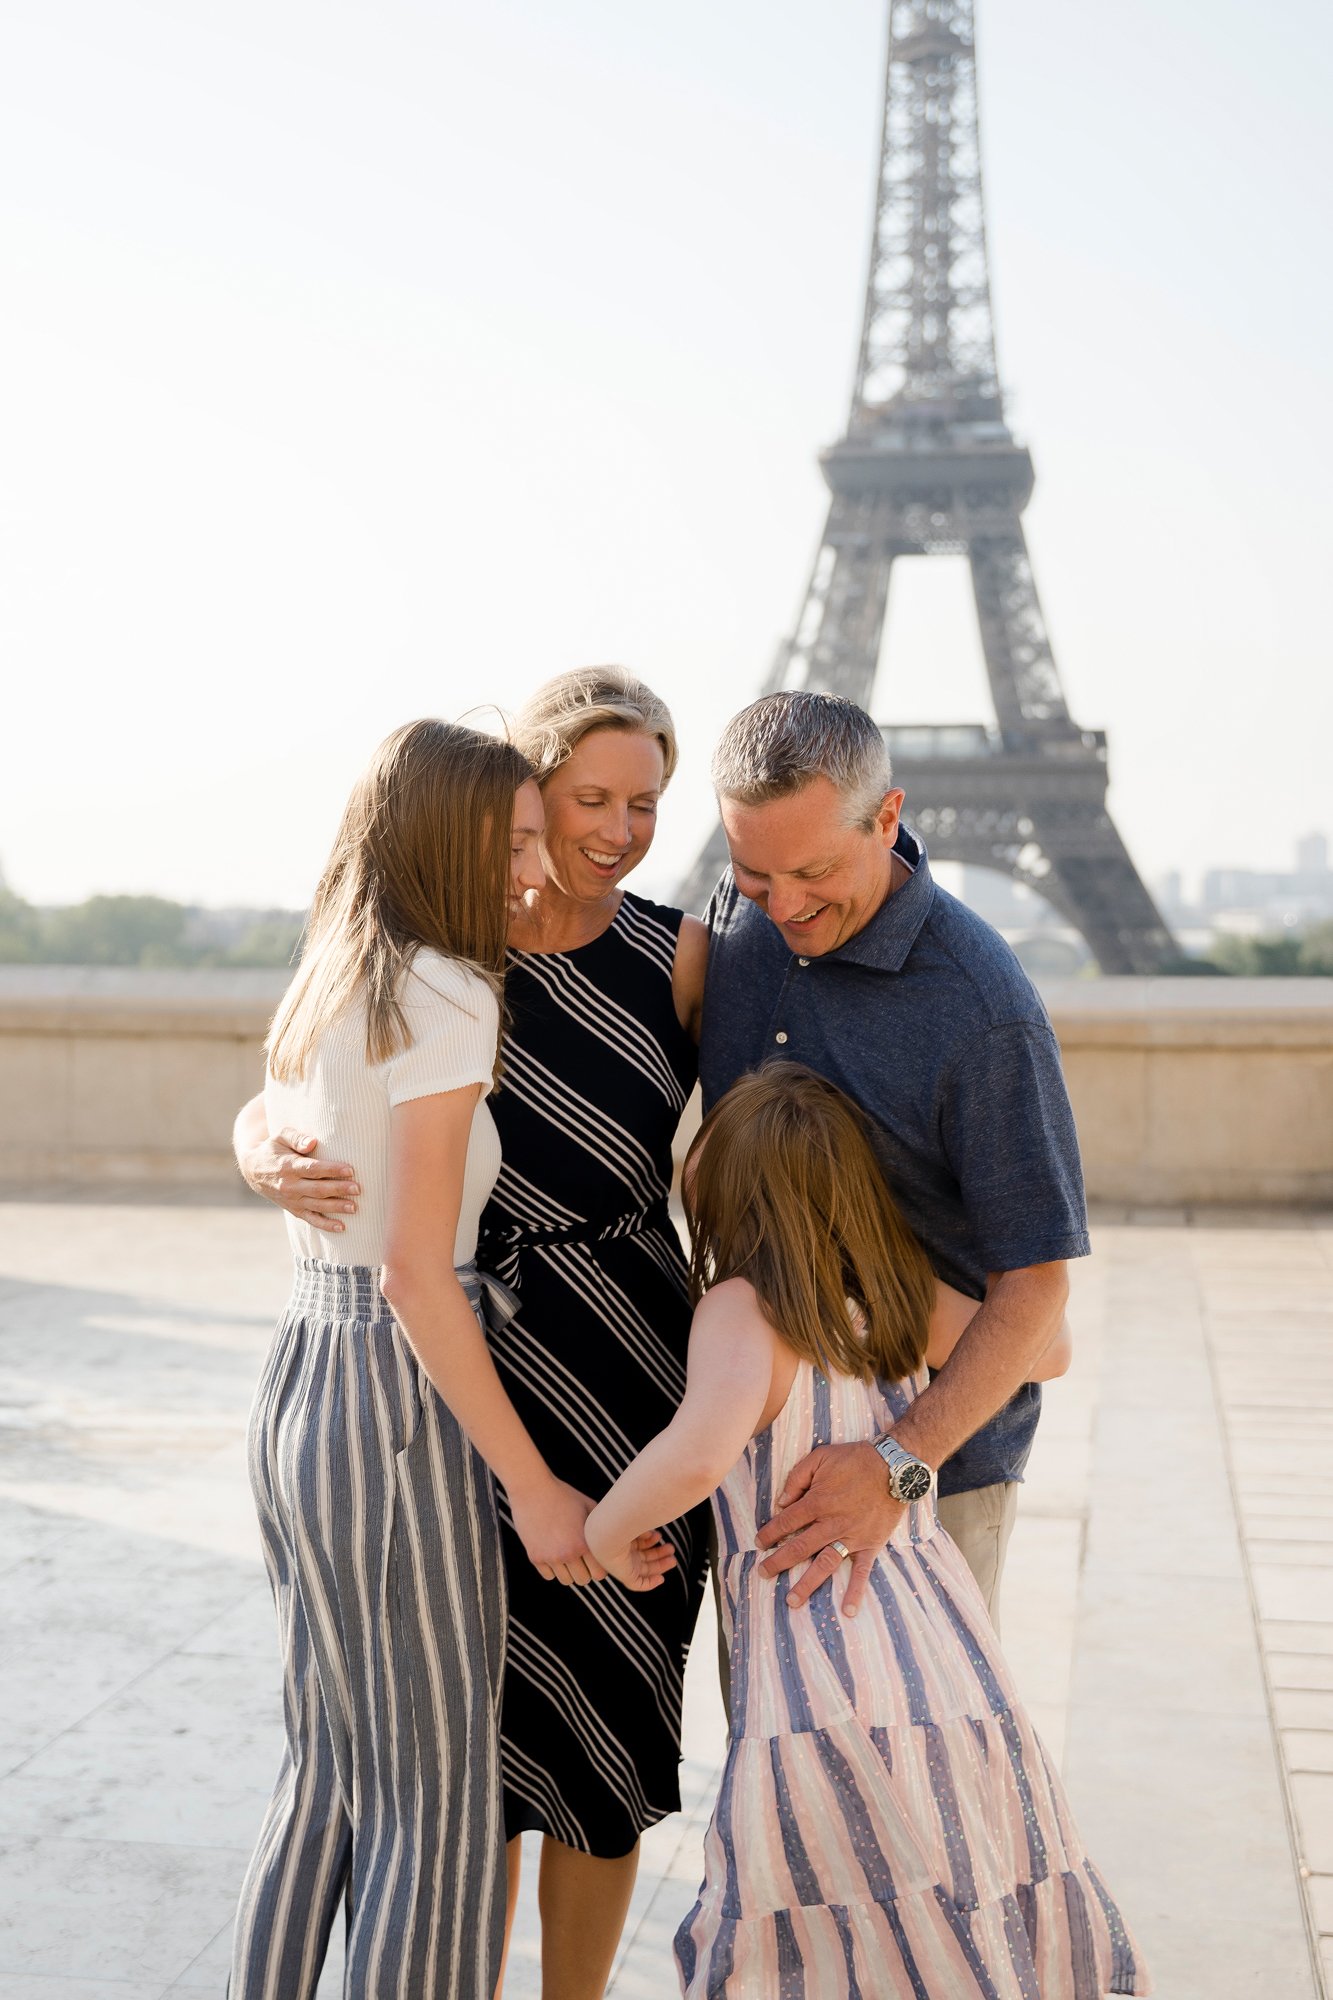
<point>888,1823</point>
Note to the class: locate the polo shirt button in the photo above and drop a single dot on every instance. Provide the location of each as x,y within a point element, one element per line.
<point>803,961</point>
<point>780,1036</point>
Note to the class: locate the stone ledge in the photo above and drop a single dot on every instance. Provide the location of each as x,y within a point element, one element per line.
<point>1185,1091</point>
<point>1088,1013</point>
<point>1191,1013</point>
<point>116,1000</point>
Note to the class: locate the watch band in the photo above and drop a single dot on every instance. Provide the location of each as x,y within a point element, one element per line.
<point>904,1470</point>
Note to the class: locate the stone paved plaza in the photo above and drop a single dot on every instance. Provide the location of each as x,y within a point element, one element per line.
<point>1169,1605</point>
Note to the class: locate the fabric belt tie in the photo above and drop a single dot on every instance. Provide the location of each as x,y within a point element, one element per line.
<point>503,1248</point>
<point>498,1304</point>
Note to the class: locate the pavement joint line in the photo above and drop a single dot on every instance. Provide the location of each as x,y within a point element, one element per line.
<point>222,1931</point>
<point>108,1840</point>
<point>117,1694</point>
<point>1318,1964</point>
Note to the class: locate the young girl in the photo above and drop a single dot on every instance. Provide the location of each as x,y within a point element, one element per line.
<point>888,1824</point>
<point>379,1401</point>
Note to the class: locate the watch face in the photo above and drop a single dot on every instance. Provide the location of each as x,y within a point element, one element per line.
<point>912,1481</point>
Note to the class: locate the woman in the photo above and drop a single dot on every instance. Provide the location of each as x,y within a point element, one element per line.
<point>887,1821</point>
<point>604,991</point>
<point>378,1516</point>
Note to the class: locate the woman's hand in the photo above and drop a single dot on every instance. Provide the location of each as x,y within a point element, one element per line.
<point>550,1525</point>
<point>641,1566</point>
<point>1055,1359</point>
<point>319,1192</point>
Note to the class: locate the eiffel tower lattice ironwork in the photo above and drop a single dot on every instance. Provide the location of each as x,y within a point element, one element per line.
<point>928,466</point>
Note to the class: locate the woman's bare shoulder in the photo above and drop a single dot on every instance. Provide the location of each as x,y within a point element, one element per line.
<point>688,972</point>
<point>692,947</point>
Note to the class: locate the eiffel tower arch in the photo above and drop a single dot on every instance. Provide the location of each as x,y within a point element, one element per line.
<point>928,466</point>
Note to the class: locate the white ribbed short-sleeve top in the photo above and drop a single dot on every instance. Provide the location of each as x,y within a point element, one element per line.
<point>344,1101</point>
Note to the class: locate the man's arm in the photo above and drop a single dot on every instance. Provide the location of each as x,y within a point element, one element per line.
<point>283,1170</point>
<point>840,1492</point>
<point>1008,1138</point>
<point>1004,1342</point>
<point>954,1313</point>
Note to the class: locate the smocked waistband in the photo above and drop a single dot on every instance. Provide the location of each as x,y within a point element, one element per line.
<point>322,1290</point>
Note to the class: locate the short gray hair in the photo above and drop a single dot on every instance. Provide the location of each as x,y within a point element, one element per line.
<point>783,741</point>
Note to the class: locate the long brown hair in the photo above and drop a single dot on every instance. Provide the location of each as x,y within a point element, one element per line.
<point>421,858</point>
<point>783,1188</point>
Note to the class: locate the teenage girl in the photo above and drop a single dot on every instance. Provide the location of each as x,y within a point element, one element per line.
<point>888,1823</point>
<point>380,1410</point>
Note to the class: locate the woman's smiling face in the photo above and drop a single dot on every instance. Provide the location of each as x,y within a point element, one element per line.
<point>601,811</point>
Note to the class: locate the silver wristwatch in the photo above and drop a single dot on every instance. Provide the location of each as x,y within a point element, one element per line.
<point>909,1478</point>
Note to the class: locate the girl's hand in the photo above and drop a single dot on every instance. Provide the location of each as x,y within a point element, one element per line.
<point>644,1564</point>
<point>550,1525</point>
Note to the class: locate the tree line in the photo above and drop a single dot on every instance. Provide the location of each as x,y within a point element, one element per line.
<point>144,931</point>
<point>153,931</point>
<point>1286,954</point>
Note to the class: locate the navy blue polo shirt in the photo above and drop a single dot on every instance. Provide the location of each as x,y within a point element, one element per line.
<point>928,1021</point>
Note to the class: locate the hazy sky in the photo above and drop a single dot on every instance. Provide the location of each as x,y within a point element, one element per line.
<point>360,361</point>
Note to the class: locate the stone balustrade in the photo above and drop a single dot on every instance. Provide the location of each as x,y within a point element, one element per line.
<point>110,1075</point>
<point>1200,1090</point>
<point>1185,1090</point>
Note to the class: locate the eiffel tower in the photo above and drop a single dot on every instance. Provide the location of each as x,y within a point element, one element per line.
<point>929,466</point>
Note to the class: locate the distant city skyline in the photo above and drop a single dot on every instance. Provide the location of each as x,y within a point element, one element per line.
<point>365,365</point>
<point>1271,898</point>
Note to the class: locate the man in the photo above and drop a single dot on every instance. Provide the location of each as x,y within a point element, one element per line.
<point>832,946</point>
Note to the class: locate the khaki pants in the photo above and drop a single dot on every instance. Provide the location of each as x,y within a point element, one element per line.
<point>981,1523</point>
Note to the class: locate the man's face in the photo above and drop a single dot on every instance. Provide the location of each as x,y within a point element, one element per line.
<point>819,880</point>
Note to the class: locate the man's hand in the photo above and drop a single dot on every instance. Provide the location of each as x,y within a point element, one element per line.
<point>838,1493</point>
<point>319,1192</point>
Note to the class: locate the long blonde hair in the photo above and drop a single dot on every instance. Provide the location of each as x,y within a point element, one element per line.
<point>421,858</point>
<point>783,1188</point>
<point>561,712</point>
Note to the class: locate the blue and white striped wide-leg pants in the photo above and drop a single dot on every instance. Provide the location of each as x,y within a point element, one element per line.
<point>382,1544</point>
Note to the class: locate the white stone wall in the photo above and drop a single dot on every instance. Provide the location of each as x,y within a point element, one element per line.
<point>1201,1090</point>
<point>115,1075</point>
<point>1185,1090</point>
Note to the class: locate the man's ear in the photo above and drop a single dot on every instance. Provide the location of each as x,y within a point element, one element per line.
<point>888,816</point>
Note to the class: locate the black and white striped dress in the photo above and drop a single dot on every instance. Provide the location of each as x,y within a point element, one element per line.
<point>597,1069</point>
